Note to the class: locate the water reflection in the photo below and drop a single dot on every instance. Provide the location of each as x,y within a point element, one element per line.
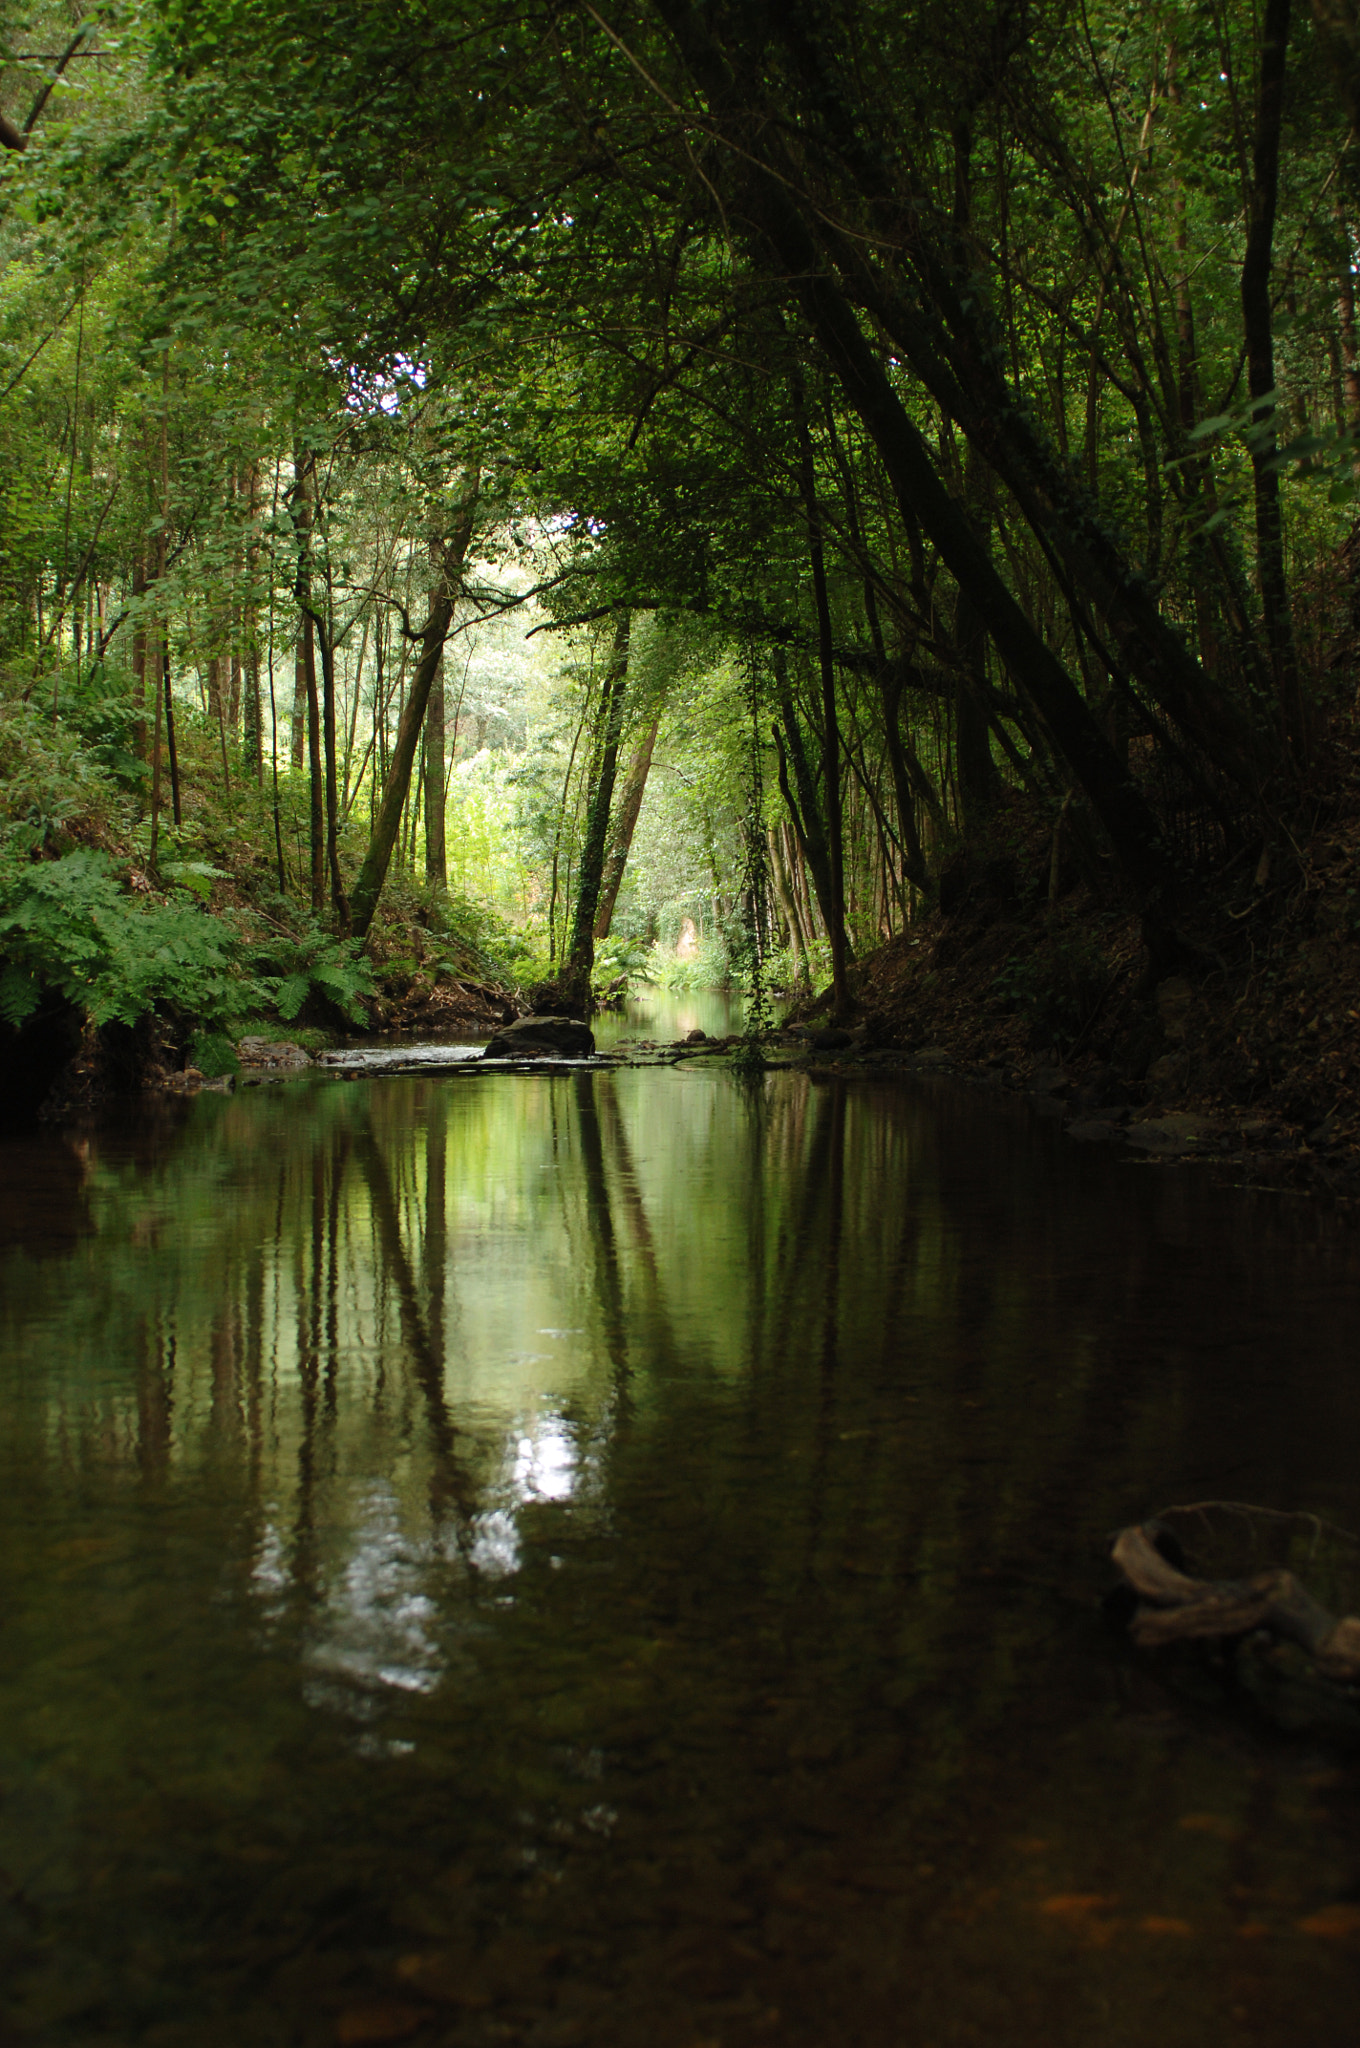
<point>663,1014</point>
<point>634,1537</point>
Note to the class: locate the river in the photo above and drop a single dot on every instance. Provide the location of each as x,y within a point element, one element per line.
<point>615,1559</point>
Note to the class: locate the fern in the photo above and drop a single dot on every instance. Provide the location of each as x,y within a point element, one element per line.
<point>20,995</point>
<point>67,926</point>
<point>313,962</point>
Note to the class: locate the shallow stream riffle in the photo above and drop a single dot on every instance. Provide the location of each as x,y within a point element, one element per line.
<point>615,1558</point>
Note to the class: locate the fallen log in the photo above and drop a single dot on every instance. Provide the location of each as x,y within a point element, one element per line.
<point>1175,1605</point>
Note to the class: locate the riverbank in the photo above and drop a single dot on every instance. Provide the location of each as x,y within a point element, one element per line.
<point>1249,1052</point>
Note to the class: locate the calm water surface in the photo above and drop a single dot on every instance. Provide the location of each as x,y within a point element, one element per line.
<point>614,1559</point>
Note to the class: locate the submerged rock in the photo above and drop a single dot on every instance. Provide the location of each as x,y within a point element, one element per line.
<point>527,1036</point>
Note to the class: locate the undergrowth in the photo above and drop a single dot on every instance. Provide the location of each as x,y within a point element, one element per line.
<point>201,934</point>
<point>67,926</point>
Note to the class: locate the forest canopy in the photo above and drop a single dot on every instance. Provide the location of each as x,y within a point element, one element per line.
<point>551,471</point>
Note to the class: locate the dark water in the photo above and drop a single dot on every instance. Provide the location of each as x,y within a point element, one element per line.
<point>614,1559</point>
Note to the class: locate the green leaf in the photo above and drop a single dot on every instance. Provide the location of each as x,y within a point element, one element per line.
<point>19,995</point>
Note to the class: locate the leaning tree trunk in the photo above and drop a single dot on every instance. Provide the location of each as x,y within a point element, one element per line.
<point>630,805</point>
<point>804,810</point>
<point>576,971</point>
<point>449,556</point>
<point>834,908</point>
<point>793,248</point>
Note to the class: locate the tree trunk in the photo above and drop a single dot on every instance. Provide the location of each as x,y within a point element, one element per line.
<point>575,978</point>
<point>1345,313</point>
<point>1128,820</point>
<point>802,892</point>
<point>1132,828</point>
<point>297,722</point>
<point>302,591</point>
<point>804,810</point>
<point>908,779</point>
<point>139,661</point>
<point>1196,467</point>
<point>834,908</point>
<point>316,844</point>
<point>436,858</point>
<point>252,706</point>
<point>171,746</point>
<point>1258,332</point>
<point>323,632</point>
<point>950,349</point>
<point>630,805</point>
<point>450,555</point>
<point>789,909</point>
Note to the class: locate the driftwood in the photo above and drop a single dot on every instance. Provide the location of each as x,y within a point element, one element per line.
<point>1173,1606</point>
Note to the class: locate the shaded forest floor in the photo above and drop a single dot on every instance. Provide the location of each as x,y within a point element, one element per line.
<point>1249,1053</point>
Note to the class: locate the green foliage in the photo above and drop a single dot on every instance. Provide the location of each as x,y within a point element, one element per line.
<point>619,956</point>
<point>197,876</point>
<point>707,967</point>
<point>49,779</point>
<point>68,926</point>
<point>213,1053</point>
<point>313,963</point>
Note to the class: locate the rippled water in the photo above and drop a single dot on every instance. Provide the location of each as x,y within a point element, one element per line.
<point>615,1559</point>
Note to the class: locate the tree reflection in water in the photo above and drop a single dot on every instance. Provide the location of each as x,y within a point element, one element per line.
<point>615,1557</point>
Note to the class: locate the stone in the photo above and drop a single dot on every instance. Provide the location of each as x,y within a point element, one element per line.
<point>533,1037</point>
<point>696,1038</point>
<point>270,1052</point>
<point>1171,1136</point>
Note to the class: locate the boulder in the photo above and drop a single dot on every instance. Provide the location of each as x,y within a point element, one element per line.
<point>269,1052</point>
<point>532,1037</point>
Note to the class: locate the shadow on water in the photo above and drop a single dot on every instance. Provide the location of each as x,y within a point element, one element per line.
<point>617,1557</point>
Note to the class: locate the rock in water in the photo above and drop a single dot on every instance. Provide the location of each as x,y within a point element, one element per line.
<point>530,1037</point>
<point>269,1052</point>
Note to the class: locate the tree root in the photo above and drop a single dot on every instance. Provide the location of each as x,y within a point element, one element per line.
<point>1173,1607</point>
